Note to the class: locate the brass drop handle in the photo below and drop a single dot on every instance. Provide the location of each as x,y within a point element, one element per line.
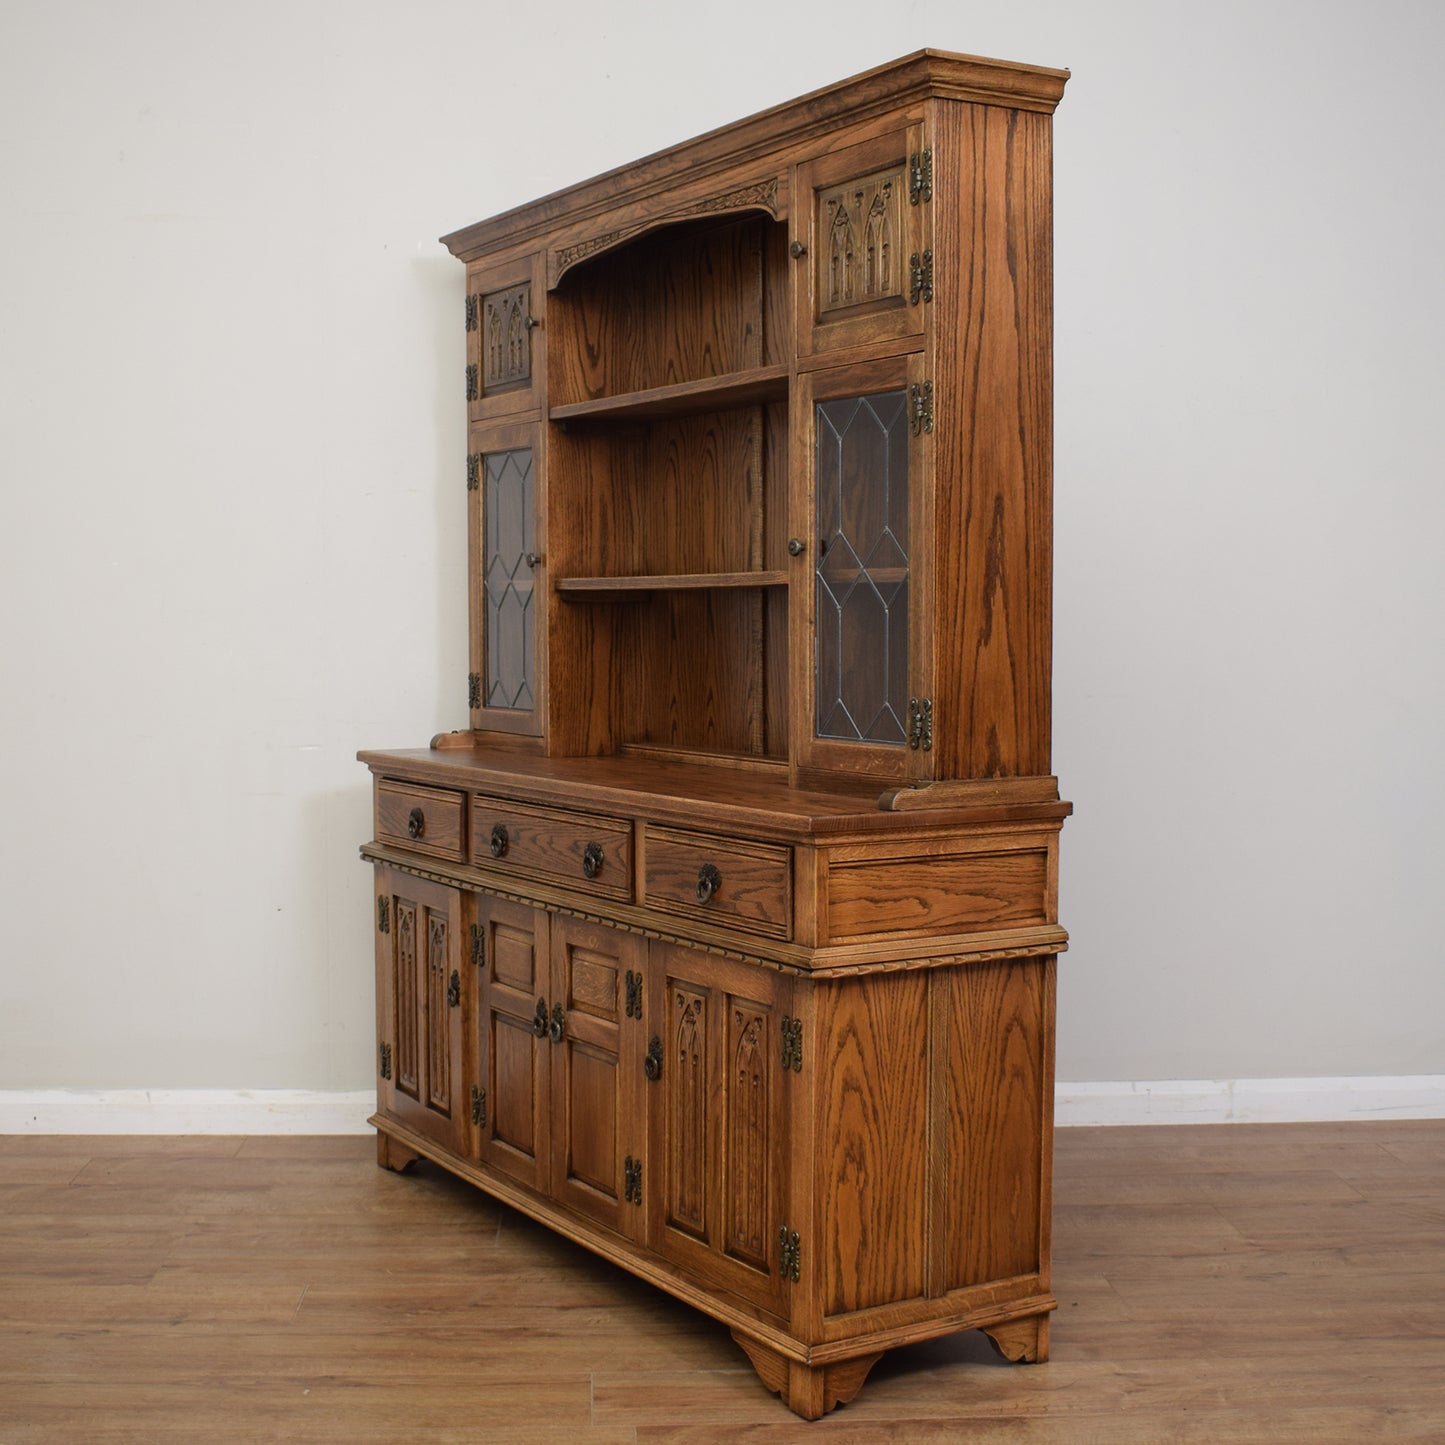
<point>558,1026</point>
<point>796,546</point>
<point>652,1064</point>
<point>797,250</point>
<point>709,880</point>
<point>499,840</point>
<point>592,858</point>
<point>415,823</point>
<point>539,1019</point>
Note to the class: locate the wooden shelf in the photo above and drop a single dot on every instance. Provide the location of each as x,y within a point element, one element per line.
<point>738,388</point>
<point>584,589</point>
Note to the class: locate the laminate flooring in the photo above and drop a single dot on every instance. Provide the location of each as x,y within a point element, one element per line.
<point>1215,1283</point>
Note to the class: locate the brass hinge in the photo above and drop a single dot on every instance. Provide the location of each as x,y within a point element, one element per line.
<point>634,995</point>
<point>474,306</point>
<point>386,1061</point>
<point>792,1034</point>
<point>920,273</point>
<point>383,915</point>
<point>479,946</point>
<point>471,383</point>
<point>788,1253</point>
<point>920,177</point>
<point>479,1105</point>
<point>920,407</point>
<point>454,989</point>
<point>474,690</point>
<point>632,1180</point>
<point>474,465</point>
<point>920,723</point>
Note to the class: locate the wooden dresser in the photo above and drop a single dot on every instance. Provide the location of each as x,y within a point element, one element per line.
<point>723,940</point>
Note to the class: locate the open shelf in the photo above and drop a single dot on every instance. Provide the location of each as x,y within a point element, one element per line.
<point>581,589</point>
<point>738,388</point>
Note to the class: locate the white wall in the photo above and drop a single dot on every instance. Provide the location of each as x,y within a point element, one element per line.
<point>231,457</point>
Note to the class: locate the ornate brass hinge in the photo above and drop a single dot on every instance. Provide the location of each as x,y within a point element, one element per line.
<point>454,989</point>
<point>479,1105</point>
<point>474,465</point>
<point>386,1061</point>
<point>792,1035</point>
<point>479,946</point>
<point>474,306</point>
<point>920,274</point>
<point>788,1253</point>
<point>632,1180</point>
<point>383,915</point>
<point>471,383</point>
<point>920,723</point>
<point>474,690</point>
<point>920,407</point>
<point>920,177</point>
<point>634,995</point>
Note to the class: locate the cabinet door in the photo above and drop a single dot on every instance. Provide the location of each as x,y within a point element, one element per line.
<point>508,637</point>
<point>419,1006</point>
<point>862,656</point>
<point>719,1146</point>
<point>863,215</point>
<point>598,1135</point>
<point>506,360</point>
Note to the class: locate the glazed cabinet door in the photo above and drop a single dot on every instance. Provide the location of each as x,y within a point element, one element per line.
<point>863,221</point>
<point>419,1006</point>
<point>505,469</point>
<point>861,644</point>
<point>598,1136</point>
<point>510,949</point>
<point>721,1037</point>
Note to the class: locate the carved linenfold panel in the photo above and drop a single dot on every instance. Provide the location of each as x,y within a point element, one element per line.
<point>438,1017</point>
<point>687,1104</point>
<point>407,984</point>
<point>506,337</point>
<point>748,1144</point>
<point>860,241</point>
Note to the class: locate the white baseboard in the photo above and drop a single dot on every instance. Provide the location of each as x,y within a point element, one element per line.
<point>305,1111</point>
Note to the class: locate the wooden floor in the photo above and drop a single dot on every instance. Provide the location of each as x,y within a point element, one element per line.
<point>1232,1283</point>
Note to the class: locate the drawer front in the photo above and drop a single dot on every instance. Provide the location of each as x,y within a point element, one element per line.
<point>581,850</point>
<point>730,880</point>
<point>425,820</point>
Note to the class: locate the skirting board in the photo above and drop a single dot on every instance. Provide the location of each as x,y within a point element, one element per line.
<point>303,1111</point>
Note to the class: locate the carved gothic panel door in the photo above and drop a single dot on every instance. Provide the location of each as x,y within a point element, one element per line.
<point>863,213</point>
<point>419,1006</point>
<point>506,361</point>
<point>719,1148</point>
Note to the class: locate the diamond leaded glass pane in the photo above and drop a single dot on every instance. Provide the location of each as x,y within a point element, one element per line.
<point>507,578</point>
<point>862,573</point>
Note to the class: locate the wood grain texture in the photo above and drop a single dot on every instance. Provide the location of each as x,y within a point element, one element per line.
<point>755,892</point>
<point>553,842</point>
<point>438,813</point>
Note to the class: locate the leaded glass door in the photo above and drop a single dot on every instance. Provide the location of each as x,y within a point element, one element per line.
<point>504,481</point>
<point>859,610</point>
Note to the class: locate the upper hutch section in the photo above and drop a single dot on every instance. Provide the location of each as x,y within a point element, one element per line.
<point>759,441</point>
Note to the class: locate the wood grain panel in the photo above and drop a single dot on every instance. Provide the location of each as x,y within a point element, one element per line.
<point>921,895</point>
<point>441,833</point>
<point>872,1050</point>
<point>553,842</point>
<point>756,887</point>
<point>999,1088</point>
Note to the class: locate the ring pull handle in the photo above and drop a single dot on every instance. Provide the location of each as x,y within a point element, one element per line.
<point>709,880</point>
<point>539,1019</point>
<point>499,840</point>
<point>558,1026</point>
<point>592,858</point>
<point>415,823</point>
<point>652,1064</point>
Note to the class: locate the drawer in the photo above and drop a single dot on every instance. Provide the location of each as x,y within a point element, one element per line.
<point>555,845</point>
<point>425,820</point>
<point>728,880</point>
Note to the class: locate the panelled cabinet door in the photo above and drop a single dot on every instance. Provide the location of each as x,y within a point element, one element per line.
<point>861,614</point>
<point>863,217</point>
<point>598,1137</point>
<point>512,968</point>
<point>505,471</point>
<point>506,339</point>
<point>716,1196</point>
<point>420,1006</point>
